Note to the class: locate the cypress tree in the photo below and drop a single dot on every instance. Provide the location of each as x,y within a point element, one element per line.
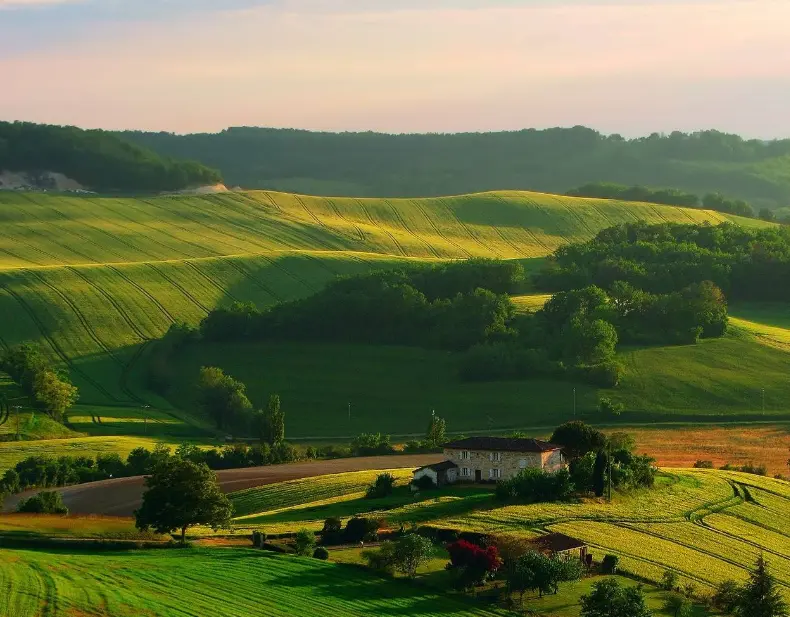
<point>760,597</point>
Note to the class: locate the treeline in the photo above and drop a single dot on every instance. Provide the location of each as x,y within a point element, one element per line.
<point>99,160</point>
<point>553,160</point>
<point>448,306</point>
<point>744,263</point>
<point>465,307</point>
<point>47,389</point>
<point>670,197</point>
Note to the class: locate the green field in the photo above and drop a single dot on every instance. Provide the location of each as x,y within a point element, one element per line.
<point>708,526</point>
<point>201,582</point>
<point>94,280</point>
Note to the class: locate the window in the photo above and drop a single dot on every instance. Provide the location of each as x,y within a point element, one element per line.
<point>465,471</point>
<point>497,457</point>
<point>465,455</point>
<point>494,474</point>
<point>522,464</point>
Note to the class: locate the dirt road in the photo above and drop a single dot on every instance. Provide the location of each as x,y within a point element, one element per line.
<point>122,496</point>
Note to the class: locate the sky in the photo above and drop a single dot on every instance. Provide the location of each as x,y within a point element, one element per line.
<point>632,67</point>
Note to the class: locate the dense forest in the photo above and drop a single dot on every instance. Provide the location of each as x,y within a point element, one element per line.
<point>553,160</point>
<point>98,160</point>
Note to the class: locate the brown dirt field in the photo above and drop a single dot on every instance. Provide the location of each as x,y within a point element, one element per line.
<point>682,446</point>
<point>122,496</point>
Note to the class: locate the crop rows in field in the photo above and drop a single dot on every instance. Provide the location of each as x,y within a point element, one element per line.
<point>308,490</point>
<point>199,582</point>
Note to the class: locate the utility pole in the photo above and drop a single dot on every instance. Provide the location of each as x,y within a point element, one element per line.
<point>763,398</point>
<point>145,418</point>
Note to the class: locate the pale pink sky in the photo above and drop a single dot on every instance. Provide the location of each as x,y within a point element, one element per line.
<point>629,67</point>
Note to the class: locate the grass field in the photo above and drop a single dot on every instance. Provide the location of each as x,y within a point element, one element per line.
<point>708,526</point>
<point>200,582</point>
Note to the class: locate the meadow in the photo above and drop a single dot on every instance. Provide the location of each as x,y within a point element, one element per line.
<point>199,582</point>
<point>706,525</point>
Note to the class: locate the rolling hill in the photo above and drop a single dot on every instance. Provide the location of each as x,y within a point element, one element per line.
<point>95,279</point>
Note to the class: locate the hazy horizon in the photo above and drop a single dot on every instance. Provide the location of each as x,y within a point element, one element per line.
<point>632,68</point>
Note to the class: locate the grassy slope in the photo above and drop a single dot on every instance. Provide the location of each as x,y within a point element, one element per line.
<point>94,280</point>
<point>199,582</point>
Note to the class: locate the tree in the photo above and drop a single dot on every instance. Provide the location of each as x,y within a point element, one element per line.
<point>599,473</point>
<point>436,435</point>
<point>223,398</point>
<point>577,439</point>
<point>304,542</point>
<point>727,596</point>
<point>669,580</point>
<point>273,422</point>
<point>678,605</point>
<point>536,571</point>
<point>412,551</point>
<point>609,599</point>
<point>180,494</point>
<point>760,596</point>
<point>54,394</point>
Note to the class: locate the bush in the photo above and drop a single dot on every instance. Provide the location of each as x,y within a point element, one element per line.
<point>609,564</point>
<point>382,487</point>
<point>472,562</point>
<point>304,542</point>
<point>258,539</point>
<point>46,502</point>
<point>360,529</point>
<point>669,580</point>
<point>331,532</point>
<point>703,464</point>
<point>727,596</point>
<point>321,553</point>
<point>381,560</point>
<point>535,485</point>
<point>424,483</point>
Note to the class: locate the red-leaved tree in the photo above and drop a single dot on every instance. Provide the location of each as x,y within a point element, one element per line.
<point>473,562</point>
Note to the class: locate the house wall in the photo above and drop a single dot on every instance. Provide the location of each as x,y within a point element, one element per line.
<point>508,464</point>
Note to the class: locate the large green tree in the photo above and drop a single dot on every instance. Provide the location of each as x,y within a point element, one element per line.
<point>179,494</point>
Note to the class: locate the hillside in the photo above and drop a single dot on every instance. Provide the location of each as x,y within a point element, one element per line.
<point>553,160</point>
<point>94,280</point>
<point>94,160</point>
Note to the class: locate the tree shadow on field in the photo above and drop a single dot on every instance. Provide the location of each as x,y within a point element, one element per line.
<point>380,595</point>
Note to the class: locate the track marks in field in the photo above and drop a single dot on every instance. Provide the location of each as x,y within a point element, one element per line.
<point>409,230</point>
<point>381,227</point>
<point>487,249</point>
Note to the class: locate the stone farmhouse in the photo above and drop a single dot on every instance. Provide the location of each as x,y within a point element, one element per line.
<point>488,459</point>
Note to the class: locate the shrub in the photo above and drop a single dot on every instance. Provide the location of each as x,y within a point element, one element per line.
<point>382,487</point>
<point>258,538</point>
<point>304,542</point>
<point>424,483</point>
<point>331,532</point>
<point>727,596</point>
<point>536,485</point>
<point>703,465</point>
<point>609,564</point>
<point>360,529</point>
<point>321,553</point>
<point>46,502</point>
<point>669,580</point>
<point>473,562</point>
<point>381,560</point>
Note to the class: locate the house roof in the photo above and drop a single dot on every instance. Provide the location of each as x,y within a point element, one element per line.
<point>443,466</point>
<point>505,444</point>
<point>556,543</point>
